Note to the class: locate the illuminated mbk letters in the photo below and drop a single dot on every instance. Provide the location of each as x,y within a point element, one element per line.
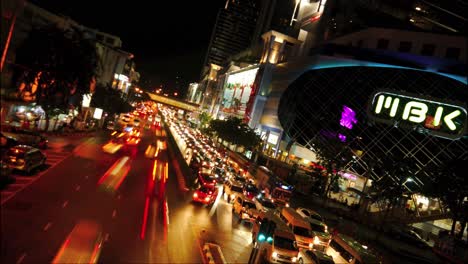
<point>437,117</point>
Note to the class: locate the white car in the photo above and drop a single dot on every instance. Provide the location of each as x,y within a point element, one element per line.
<point>307,256</point>
<point>304,212</point>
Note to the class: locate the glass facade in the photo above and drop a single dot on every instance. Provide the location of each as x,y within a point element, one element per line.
<point>335,103</point>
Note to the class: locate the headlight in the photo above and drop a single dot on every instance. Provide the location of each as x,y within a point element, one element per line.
<point>274,254</point>
<point>195,195</point>
<point>287,204</point>
<point>232,196</point>
<point>294,259</point>
<point>311,245</point>
<point>316,240</point>
<point>207,199</point>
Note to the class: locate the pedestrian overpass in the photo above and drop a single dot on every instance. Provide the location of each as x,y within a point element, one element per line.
<point>191,107</point>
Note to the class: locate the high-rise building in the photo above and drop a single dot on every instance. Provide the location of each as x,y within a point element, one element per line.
<point>233,31</point>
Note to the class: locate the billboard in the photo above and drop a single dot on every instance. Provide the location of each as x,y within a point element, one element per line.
<point>238,90</point>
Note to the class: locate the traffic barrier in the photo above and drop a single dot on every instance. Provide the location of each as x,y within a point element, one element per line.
<point>213,254</point>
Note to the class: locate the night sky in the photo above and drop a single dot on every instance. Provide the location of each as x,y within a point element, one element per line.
<point>168,38</point>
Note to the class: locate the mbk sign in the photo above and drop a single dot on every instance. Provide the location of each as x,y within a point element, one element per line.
<point>437,117</point>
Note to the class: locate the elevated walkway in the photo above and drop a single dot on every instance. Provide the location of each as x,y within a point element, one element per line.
<point>191,107</point>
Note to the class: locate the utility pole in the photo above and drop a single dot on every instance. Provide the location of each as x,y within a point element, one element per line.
<point>10,33</point>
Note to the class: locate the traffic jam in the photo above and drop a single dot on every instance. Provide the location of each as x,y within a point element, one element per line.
<point>298,235</point>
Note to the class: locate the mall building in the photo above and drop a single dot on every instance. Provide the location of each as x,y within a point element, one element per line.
<point>391,92</point>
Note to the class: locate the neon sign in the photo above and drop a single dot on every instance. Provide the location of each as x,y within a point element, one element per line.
<point>348,117</point>
<point>429,115</point>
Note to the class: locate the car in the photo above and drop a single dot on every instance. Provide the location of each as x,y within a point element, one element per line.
<point>25,158</point>
<point>206,179</point>
<point>304,212</point>
<point>205,194</point>
<point>322,237</point>
<point>25,137</point>
<point>264,204</point>
<point>232,189</point>
<point>244,207</point>
<point>5,174</point>
<point>132,140</point>
<point>83,244</point>
<point>251,191</point>
<point>307,256</point>
<point>219,173</point>
<point>110,125</point>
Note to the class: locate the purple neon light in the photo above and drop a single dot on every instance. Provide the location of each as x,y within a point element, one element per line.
<point>348,117</point>
<point>342,137</point>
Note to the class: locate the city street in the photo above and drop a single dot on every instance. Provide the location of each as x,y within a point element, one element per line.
<point>138,226</point>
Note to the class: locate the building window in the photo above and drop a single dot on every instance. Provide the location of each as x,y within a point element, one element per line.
<point>405,46</point>
<point>452,53</point>
<point>428,49</point>
<point>383,43</point>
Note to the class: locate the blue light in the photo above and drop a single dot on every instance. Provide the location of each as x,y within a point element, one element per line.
<point>261,237</point>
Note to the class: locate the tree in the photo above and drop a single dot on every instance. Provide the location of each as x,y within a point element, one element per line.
<point>204,119</point>
<point>234,131</point>
<point>58,67</point>
<point>110,100</point>
<point>333,154</point>
<point>450,185</point>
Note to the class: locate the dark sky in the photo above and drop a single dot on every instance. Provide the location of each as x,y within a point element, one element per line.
<point>167,37</point>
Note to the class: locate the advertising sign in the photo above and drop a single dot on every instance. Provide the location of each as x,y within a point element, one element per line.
<point>238,90</point>
<point>427,115</point>
<point>97,113</point>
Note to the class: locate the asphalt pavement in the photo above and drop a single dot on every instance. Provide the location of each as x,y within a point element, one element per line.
<point>146,219</point>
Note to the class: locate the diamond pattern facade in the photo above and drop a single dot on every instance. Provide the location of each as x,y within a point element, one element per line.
<point>313,103</point>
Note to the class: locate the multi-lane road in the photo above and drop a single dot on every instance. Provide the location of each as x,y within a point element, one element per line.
<point>146,218</point>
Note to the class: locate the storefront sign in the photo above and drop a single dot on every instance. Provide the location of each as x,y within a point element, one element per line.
<point>428,115</point>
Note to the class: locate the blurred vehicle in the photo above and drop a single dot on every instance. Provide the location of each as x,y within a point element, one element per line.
<point>304,212</point>
<point>132,140</point>
<point>136,122</point>
<point>320,233</point>
<point>250,191</point>
<point>299,226</point>
<point>25,158</point>
<point>232,189</point>
<point>244,207</point>
<point>348,250</point>
<point>206,179</point>
<point>205,194</point>
<point>25,137</point>
<point>113,145</point>
<point>83,245</point>
<point>408,236</point>
<point>125,118</point>
<point>110,125</point>
<point>6,143</point>
<point>264,204</point>
<point>219,173</point>
<point>307,256</point>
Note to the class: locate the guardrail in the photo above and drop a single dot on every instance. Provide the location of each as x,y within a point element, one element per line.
<point>213,254</point>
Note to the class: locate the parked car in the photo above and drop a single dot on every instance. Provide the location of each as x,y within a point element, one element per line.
<point>25,158</point>
<point>5,174</point>
<point>304,212</point>
<point>307,256</point>
<point>25,137</point>
<point>205,194</point>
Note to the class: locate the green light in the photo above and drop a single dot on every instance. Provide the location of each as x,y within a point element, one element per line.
<point>269,239</point>
<point>261,238</point>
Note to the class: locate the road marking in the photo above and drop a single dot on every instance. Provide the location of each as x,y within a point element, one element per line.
<point>65,204</point>
<point>114,213</point>
<point>47,226</point>
<point>21,258</point>
<point>33,179</point>
<point>106,237</point>
<point>77,188</point>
